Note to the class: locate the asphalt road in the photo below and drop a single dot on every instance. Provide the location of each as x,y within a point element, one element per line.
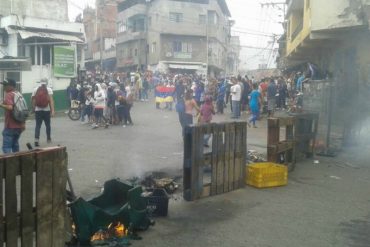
<point>325,204</point>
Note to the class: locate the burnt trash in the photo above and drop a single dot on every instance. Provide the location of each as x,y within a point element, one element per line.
<point>150,183</point>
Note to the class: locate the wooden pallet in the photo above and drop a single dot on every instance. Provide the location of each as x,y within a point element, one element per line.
<point>281,151</point>
<point>35,198</point>
<point>225,160</point>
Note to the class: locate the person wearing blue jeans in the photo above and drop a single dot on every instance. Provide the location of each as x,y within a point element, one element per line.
<point>11,140</point>
<point>12,128</point>
<point>43,113</point>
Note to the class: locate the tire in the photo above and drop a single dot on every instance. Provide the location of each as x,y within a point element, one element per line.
<point>74,114</point>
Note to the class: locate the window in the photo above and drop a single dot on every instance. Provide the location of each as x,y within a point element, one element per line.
<point>202,19</point>
<point>176,17</point>
<point>184,47</point>
<point>122,27</point>
<point>154,47</point>
<point>212,18</point>
<point>137,23</point>
<point>135,52</point>
<point>130,53</point>
<point>177,46</point>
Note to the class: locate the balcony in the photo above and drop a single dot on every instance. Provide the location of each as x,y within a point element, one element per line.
<point>130,36</point>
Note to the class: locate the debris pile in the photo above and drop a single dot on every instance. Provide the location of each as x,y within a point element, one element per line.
<point>254,157</point>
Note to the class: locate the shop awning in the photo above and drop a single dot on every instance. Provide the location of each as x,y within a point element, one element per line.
<point>15,64</point>
<point>184,66</point>
<point>53,36</point>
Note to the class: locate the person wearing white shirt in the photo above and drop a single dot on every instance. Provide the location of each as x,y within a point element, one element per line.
<point>236,93</point>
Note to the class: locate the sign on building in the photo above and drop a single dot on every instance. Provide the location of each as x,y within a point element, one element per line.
<point>64,61</point>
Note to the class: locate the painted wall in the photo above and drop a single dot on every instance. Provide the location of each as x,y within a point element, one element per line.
<point>294,20</point>
<point>331,14</point>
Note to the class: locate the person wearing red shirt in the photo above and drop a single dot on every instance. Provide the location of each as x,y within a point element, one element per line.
<point>12,129</point>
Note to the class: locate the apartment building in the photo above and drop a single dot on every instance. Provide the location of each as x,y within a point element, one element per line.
<point>173,35</point>
<point>100,27</point>
<point>36,41</point>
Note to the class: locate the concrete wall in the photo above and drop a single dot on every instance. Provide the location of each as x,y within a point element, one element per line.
<point>332,14</point>
<point>198,53</point>
<point>46,9</point>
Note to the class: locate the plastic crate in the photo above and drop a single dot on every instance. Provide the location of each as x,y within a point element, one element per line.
<point>158,202</point>
<point>264,175</point>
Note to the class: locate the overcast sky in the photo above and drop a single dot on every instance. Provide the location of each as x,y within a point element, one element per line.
<point>253,23</point>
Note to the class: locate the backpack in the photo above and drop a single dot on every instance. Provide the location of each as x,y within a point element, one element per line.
<point>42,97</point>
<point>20,109</point>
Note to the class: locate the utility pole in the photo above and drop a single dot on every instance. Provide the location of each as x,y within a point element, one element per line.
<point>277,4</point>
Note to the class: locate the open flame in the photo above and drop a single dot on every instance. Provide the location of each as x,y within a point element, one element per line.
<point>114,230</point>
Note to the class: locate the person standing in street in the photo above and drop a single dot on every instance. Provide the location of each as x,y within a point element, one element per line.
<point>271,97</point>
<point>255,103</point>
<point>236,93</point>
<point>43,106</point>
<point>12,128</point>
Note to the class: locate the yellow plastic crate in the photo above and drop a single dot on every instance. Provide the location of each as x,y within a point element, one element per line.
<point>264,175</point>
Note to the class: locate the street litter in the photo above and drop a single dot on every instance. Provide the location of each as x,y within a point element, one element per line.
<point>253,156</point>
<point>316,162</point>
<point>335,177</point>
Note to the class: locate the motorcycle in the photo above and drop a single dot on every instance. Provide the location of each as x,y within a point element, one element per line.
<point>74,112</point>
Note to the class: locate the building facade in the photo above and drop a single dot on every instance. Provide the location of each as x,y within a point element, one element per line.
<point>100,27</point>
<point>38,41</point>
<point>233,54</point>
<point>333,35</point>
<point>173,35</point>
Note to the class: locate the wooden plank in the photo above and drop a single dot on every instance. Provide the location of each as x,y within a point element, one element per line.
<point>215,139</point>
<point>273,131</point>
<point>2,227</point>
<point>227,158</point>
<point>59,197</point>
<point>27,218</point>
<point>232,155</point>
<point>194,181</point>
<point>286,121</point>
<point>200,161</point>
<point>44,199</point>
<point>220,159</point>
<point>238,154</point>
<point>244,157</point>
<point>187,163</point>
<point>11,204</point>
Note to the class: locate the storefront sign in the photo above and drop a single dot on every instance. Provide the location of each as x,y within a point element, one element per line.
<point>64,61</point>
<point>182,55</point>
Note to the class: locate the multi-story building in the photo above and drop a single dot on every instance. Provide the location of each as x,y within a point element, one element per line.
<point>100,26</point>
<point>36,41</point>
<point>333,35</point>
<point>173,35</point>
<point>233,55</point>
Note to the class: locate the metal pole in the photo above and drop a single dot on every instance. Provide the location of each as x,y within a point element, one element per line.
<point>330,113</point>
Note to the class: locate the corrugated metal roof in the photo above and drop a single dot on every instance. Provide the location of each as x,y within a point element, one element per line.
<point>54,36</point>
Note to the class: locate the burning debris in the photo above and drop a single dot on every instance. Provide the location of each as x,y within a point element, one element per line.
<point>116,234</point>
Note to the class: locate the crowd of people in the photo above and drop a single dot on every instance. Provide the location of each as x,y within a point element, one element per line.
<point>108,99</point>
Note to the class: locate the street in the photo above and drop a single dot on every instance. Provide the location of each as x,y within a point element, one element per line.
<point>325,204</point>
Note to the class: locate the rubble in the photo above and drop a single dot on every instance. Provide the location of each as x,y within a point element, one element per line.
<point>254,157</point>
